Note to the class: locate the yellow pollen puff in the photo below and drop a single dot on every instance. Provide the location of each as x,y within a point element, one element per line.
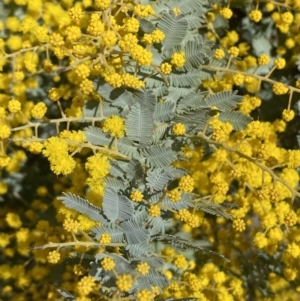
<point>226,12</point>
<point>76,14</point>
<point>234,51</point>
<point>73,33</point>
<point>239,225</point>
<point>177,11</point>
<point>136,196</point>
<point>124,282</point>
<point>238,79</point>
<point>109,38</point>
<point>105,239</point>
<point>86,86</point>
<point>53,257</point>
<point>255,15</point>
<point>279,89</point>
<point>174,195</point>
<point>178,59</point>
<point>39,110</point>
<point>14,106</point>
<point>85,285</point>
<point>131,25</point>
<point>143,268</point>
<point>4,131</point>
<point>115,126</point>
<point>102,4</point>
<point>287,18</point>
<point>219,54</point>
<point>263,59</point>
<point>54,94</point>
<point>145,295</point>
<point>179,129</point>
<point>108,264</point>
<point>19,75</point>
<point>144,10</point>
<point>288,115</point>
<point>280,63</point>
<point>154,211</point>
<point>82,71</point>
<point>180,261</point>
<point>71,225</point>
<point>186,183</point>
<point>166,68</point>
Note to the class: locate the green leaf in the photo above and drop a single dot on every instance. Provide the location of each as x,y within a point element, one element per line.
<point>237,119</point>
<point>157,225</point>
<point>194,55</point>
<point>116,207</point>
<point>146,25</point>
<point>139,124</point>
<point>174,28</point>
<point>224,100</point>
<point>83,206</point>
<point>213,208</point>
<point>146,98</point>
<point>156,278</point>
<point>191,6</point>
<point>138,249</point>
<point>192,78</point>
<point>158,132</point>
<point>96,136</point>
<point>183,244</point>
<point>134,232</point>
<point>194,118</point>
<point>164,111</point>
<point>191,101</point>
<point>134,170</point>
<point>117,235</point>
<point>115,184</point>
<point>125,146</point>
<point>184,202</point>
<point>159,156</point>
<point>194,21</point>
<point>157,179</point>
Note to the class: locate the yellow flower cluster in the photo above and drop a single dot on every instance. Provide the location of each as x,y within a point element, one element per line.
<point>124,282</point>
<point>108,264</point>
<point>136,196</point>
<point>115,126</point>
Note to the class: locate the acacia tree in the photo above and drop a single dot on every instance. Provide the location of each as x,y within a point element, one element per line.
<point>146,150</point>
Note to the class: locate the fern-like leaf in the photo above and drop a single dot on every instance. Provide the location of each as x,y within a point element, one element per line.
<point>159,156</point>
<point>157,179</point>
<point>83,206</point>
<point>116,207</point>
<point>96,136</point>
<point>117,235</point>
<point>237,119</point>
<point>192,78</point>
<point>174,28</point>
<point>224,100</point>
<point>164,112</point>
<point>139,124</point>
<point>183,244</point>
<point>134,232</point>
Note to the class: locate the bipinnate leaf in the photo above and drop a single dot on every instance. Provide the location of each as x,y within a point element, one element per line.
<point>116,207</point>
<point>184,244</point>
<point>139,124</point>
<point>159,156</point>
<point>116,233</point>
<point>238,120</point>
<point>96,136</point>
<point>83,206</point>
<point>224,100</point>
<point>174,28</point>
<point>157,179</point>
<point>134,232</point>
